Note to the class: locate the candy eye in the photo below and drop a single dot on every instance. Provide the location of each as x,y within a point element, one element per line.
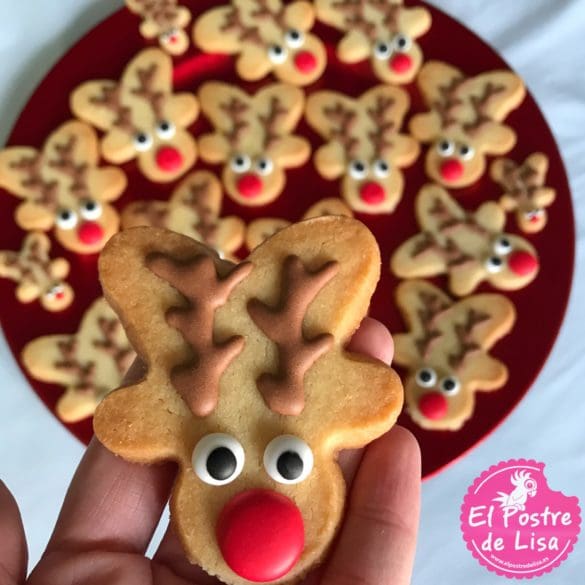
<point>288,459</point>
<point>90,209</point>
<point>165,129</point>
<point>381,168</point>
<point>382,50</point>
<point>426,377</point>
<point>142,141</point>
<point>264,166</point>
<point>294,38</point>
<point>466,152</point>
<point>358,169</point>
<point>450,385</point>
<point>218,459</point>
<point>402,43</point>
<point>502,246</point>
<point>66,219</point>
<point>494,264</point>
<point>445,147</point>
<point>534,214</point>
<point>56,291</point>
<point>277,54</point>
<point>240,163</point>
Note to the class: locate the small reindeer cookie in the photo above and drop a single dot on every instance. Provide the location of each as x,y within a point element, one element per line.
<point>193,210</point>
<point>383,31</point>
<point>260,230</point>
<point>36,275</point>
<point>364,145</point>
<point>164,20</point>
<point>464,123</point>
<point>525,191</point>
<point>142,118</point>
<point>253,138</point>
<point>239,391</point>
<point>446,352</point>
<point>468,247</point>
<point>88,364</point>
<point>64,189</point>
<point>268,37</point>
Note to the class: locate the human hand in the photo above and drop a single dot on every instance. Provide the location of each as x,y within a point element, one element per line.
<point>112,508</point>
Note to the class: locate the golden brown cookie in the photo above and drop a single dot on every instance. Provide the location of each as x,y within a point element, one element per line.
<point>464,123</point>
<point>64,189</point>
<point>384,31</point>
<point>253,138</point>
<point>364,145</point>
<point>142,117</point>
<point>525,191</point>
<point>239,392</point>
<point>469,247</point>
<point>446,352</point>
<point>37,276</point>
<point>87,364</point>
<point>268,37</point>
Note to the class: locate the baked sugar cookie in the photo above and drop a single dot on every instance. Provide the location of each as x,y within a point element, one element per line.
<point>142,118</point>
<point>464,123</point>
<point>469,247</point>
<point>239,391</point>
<point>364,145</point>
<point>446,352</point>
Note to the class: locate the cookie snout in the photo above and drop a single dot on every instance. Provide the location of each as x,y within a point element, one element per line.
<point>305,61</point>
<point>261,535</point>
<point>433,405</point>
<point>249,185</point>
<point>169,159</point>
<point>90,233</point>
<point>372,193</point>
<point>400,63</point>
<point>451,170</point>
<point>522,263</point>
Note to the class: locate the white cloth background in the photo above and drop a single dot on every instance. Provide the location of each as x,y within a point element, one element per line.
<point>543,41</point>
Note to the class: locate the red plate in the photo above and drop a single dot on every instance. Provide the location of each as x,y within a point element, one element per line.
<point>541,306</point>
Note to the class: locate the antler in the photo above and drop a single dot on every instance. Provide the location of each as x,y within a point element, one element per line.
<point>66,165</point>
<point>111,100</point>
<point>284,392</point>
<point>197,382</point>
<point>479,103</point>
<point>31,168</point>
<point>450,251</point>
<point>432,306</point>
<point>31,264</point>
<point>235,110</point>
<point>69,363</point>
<point>384,127</point>
<point>198,199</point>
<point>248,33</point>
<point>390,12</point>
<point>163,12</point>
<point>520,181</point>
<point>146,91</point>
<point>123,355</point>
<point>344,118</point>
<point>463,332</point>
<point>449,222</point>
<point>264,11</point>
<point>269,121</point>
<point>448,100</point>
<point>354,12</point>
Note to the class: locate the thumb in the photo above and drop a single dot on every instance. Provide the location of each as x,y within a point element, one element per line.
<point>13,551</point>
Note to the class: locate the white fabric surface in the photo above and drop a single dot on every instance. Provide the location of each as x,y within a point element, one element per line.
<point>543,42</point>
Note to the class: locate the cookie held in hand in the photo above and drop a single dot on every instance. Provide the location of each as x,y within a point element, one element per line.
<point>249,387</point>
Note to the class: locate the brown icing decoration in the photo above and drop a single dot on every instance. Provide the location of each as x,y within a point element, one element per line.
<point>111,99</point>
<point>283,324</point>
<point>199,199</point>
<point>252,33</point>
<point>84,372</point>
<point>123,356</point>
<point>30,167</point>
<point>197,280</point>
<point>384,125</point>
<point>155,99</point>
<point>235,110</point>
<point>433,307</point>
<point>463,332</point>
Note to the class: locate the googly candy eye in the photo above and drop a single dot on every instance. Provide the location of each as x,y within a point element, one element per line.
<point>90,209</point>
<point>240,163</point>
<point>358,169</point>
<point>502,246</point>
<point>165,129</point>
<point>466,152</point>
<point>66,219</point>
<point>218,459</point>
<point>494,264</point>
<point>450,385</point>
<point>381,168</point>
<point>288,459</point>
<point>382,50</point>
<point>426,377</point>
<point>402,42</point>
<point>264,165</point>
<point>445,147</point>
<point>277,54</point>
<point>294,38</point>
<point>142,141</point>
<point>55,291</point>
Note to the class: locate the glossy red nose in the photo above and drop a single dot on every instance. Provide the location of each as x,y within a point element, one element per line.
<point>522,263</point>
<point>249,186</point>
<point>372,193</point>
<point>433,405</point>
<point>534,218</point>
<point>305,61</point>
<point>59,295</point>
<point>261,535</point>
<point>451,170</point>
<point>400,63</point>
<point>169,159</point>
<point>173,39</point>
<point>90,233</point>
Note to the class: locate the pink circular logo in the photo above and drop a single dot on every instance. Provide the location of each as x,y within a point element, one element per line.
<point>514,524</point>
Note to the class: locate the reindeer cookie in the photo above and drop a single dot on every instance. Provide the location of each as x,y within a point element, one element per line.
<point>260,230</point>
<point>239,391</point>
<point>64,189</point>
<point>142,118</point>
<point>446,352</point>
<point>268,37</point>
<point>525,191</point>
<point>464,123</point>
<point>193,209</point>
<point>383,31</point>
<point>469,247</point>
<point>88,364</point>
<point>164,20</point>
<point>253,138</point>
<point>36,275</point>
<point>364,145</point>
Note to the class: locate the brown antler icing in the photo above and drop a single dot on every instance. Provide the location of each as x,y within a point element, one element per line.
<point>248,33</point>
<point>236,111</point>
<point>354,12</point>
<point>463,332</point>
<point>342,119</point>
<point>145,90</point>
<point>121,354</point>
<point>65,164</point>
<point>111,100</point>
<point>46,191</point>
<point>85,372</point>
<point>432,307</point>
<point>479,103</point>
<point>383,126</point>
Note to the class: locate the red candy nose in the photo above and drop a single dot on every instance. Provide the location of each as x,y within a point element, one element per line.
<point>451,169</point>
<point>400,63</point>
<point>60,295</point>
<point>433,405</point>
<point>261,535</point>
<point>90,233</point>
<point>173,39</point>
<point>305,61</point>
<point>522,263</point>
<point>372,193</point>
<point>534,218</point>
<point>250,186</point>
<point>169,159</point>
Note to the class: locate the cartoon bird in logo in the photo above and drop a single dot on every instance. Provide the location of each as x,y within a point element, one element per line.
<point>525,486</point>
